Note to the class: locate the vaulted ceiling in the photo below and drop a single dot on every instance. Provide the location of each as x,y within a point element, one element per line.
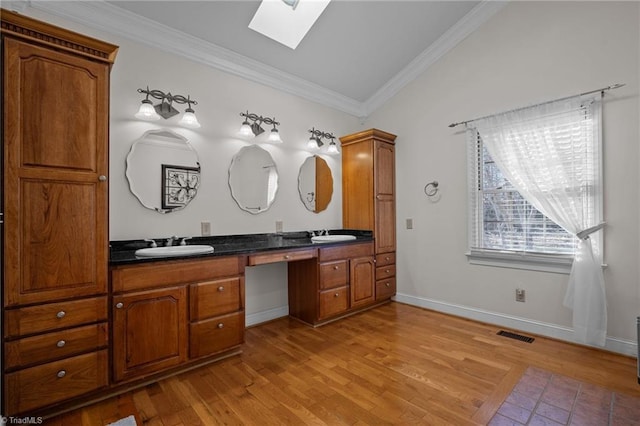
<point>355,57</point>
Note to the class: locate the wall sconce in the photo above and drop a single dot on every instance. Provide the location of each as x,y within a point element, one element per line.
<point>254,128</point>
<point>165,109</point>
<point>315,141</point>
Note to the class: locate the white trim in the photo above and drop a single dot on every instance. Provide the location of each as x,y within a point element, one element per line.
<point>15,5</point>
<point>558,264</point>
<point>625,347</point>
<point>112,19</point>
<point>264,316</point>
<point>450,39</point>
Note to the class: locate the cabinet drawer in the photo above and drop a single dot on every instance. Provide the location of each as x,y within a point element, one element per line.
<point>333,302</point>
<point>162,274</point>
<point>47,384</point>
<point>53,316</point>
<point>55,345</point>
<point>334,274</point>
<point>282,256</point>
<point>385,288</point>
<point>386,271</point>
<point>345,252</point>
<point>214,298</point>
<point>216,334</point>
<point>385,259</point>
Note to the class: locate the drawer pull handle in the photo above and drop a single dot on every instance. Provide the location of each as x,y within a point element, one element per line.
<point>221,288</point>
<point>387,271</point>
<point>387,258</point>
<point>336,268</point>
<point>119,305</point>
<point>102,178</point>
<point>287,256</point>
<point>61,314</point>
<point>337,295</point>
<point>388,284</point>
<point>61,343</point>
<point>61,374</point>
<point>221,325</point>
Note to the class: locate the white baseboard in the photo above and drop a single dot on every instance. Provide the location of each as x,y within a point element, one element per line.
<point>624,347</point>
<point>268,315</point>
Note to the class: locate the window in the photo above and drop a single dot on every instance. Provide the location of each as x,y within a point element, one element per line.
<point>507,230</point>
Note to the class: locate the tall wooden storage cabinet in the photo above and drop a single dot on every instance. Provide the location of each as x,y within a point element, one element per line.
<point>368,198</point>
<point>55,209</point>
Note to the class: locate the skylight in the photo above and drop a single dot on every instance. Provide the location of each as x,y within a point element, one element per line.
<point>282,22</point>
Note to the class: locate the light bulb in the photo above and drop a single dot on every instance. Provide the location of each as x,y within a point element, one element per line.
<point>147,112</point>
<point>189,119</point>
<point>274,136</point>
<point>245,130</point>
<point>312,144</point>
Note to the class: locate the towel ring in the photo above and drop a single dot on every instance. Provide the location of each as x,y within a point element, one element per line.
<point>431,189</point>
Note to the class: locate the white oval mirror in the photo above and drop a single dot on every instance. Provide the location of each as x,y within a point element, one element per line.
<point>253,179</point>
<point>163,171</point>
<point>315,184</point>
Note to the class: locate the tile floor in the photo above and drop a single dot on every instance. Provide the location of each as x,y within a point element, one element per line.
<point>544,398</point>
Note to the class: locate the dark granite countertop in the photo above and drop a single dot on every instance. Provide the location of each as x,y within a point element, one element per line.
<point>123,251</point>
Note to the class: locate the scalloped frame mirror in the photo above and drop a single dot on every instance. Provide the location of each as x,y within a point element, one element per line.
<point>315,184</point>
<point>253,179</point>
<point>163,170</point>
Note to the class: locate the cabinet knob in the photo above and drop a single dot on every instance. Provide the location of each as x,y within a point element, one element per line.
<point>336,267</point>
<point>388,284</point>
<point>61,374</point>
<point>221,288</point>
<point>287,256</point>
<point>387,258</point>
<point>61,343</point>
<point>119,305</point>
<point>61,314</point>
<point>337,295</point>
<point>378,197</point>
<point>387,271</point>
<point>220,325</point>
<point>102,178</point>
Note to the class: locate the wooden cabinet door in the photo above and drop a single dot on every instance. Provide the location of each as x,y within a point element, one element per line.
<point>362,281</point>
<point>385,210</point>
<point>149,331</point>
<point>55,165</point>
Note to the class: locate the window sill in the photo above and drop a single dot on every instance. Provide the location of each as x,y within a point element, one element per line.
<point>558,264</point>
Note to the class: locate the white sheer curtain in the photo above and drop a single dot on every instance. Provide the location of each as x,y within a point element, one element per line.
<point>551,154</point>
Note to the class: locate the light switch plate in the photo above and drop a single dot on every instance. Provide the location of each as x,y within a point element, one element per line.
<point>409,223</point>
<point>205,229</point>
<point>279,226</point>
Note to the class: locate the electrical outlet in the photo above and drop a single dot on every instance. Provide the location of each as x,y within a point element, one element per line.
<point>409,223</point>
<point>205,229</point>
<point>279,227</point>
<point>520,295</point>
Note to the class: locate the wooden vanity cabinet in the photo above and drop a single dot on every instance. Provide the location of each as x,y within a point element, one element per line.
<point>340,281</point>
<point>55,123</point>
<point>368,199</point>
<point>168,313</point>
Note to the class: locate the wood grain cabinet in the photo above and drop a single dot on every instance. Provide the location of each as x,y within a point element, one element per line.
<point>167,314</point>
<point>54,196</point>
<point>339,282</point>
<point>368,199</point>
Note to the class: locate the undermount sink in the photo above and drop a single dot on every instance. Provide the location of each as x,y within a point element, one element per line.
<point>332,238</point>
<point>173,251</point>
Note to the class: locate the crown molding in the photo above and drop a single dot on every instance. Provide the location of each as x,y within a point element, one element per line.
<point>454,35</point>
<point>114,20</point>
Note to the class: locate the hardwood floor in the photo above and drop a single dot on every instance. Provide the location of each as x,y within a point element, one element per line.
<point>394,364</point>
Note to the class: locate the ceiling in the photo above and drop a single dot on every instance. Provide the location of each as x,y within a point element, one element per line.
<point>356,56</point>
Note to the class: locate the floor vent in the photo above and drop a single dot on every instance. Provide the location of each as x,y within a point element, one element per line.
<point>516,336</point>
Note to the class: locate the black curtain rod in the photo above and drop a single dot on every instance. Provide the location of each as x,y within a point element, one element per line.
<point>604,89</point>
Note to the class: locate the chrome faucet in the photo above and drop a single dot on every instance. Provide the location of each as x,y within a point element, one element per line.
<point>170,240</point>
<point>183,241</point>
<point>152,243</point>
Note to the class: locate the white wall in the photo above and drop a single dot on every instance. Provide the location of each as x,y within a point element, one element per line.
<point>529,52</point>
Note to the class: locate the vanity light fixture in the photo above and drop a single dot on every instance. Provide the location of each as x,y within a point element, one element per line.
<point>165,108</point>
<point>315,141</point>
<point>251,127</point>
